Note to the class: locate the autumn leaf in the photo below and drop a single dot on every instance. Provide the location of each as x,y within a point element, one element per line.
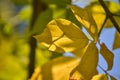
<point>84,16</point>
<point>108,55</point>
<point>62,36</point>
<point>56,69</point>
<point>99,14</point>
<point>100,77</point>
<point>88,63</point>
<point>37,74</point>
<point>116,43</point>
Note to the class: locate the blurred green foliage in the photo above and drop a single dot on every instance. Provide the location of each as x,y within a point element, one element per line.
<point>15,17</point>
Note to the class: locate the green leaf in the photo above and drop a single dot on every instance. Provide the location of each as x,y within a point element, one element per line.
<point>100,77</point>
<point>56,69</point>
<point>88,63</point>
<point>9,49</point>
<point>25,13</point>
<point>58,12</point>
<point>42,20</point>
<point>84,16</point>
<point>116,43</point>
<point>62,36</point>
<point>42,55</point>
<point>70,16</point>
<point>108,55</point>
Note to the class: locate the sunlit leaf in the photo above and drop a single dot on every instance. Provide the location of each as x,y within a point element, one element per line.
<point>108,55</point>
<point>100,77</point>
<point>56,69</point>
<point>84,16</point>
<point>87,66</point>
<point>116,40</point>
<point>114,7</point>
<point>37,74</point>
<point>99,13</point>
<point>62,36</point>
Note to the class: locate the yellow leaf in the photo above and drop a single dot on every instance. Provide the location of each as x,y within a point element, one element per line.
<point>87,66</point>
<point>84,16</point>
<point>62,36</point>
<point>108,55</point>
<point>116,41</point>
<point>114,7</point>
<point>56,69</point>
<point>36,75</point>
<point>100,77</point>
<point>99,14</point>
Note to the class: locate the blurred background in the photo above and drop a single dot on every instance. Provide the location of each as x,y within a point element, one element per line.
<point>19,21</point>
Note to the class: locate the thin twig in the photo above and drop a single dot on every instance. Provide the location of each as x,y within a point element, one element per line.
<point>110,15</point>
<point>102,26</point>
<point>104,70</point>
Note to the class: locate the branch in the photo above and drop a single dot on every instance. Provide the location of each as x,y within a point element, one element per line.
<point>116,15</point>
<point>38,7</point>
<point>109,15</point>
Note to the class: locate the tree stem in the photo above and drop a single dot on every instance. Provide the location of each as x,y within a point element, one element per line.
<point>38,7</point>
